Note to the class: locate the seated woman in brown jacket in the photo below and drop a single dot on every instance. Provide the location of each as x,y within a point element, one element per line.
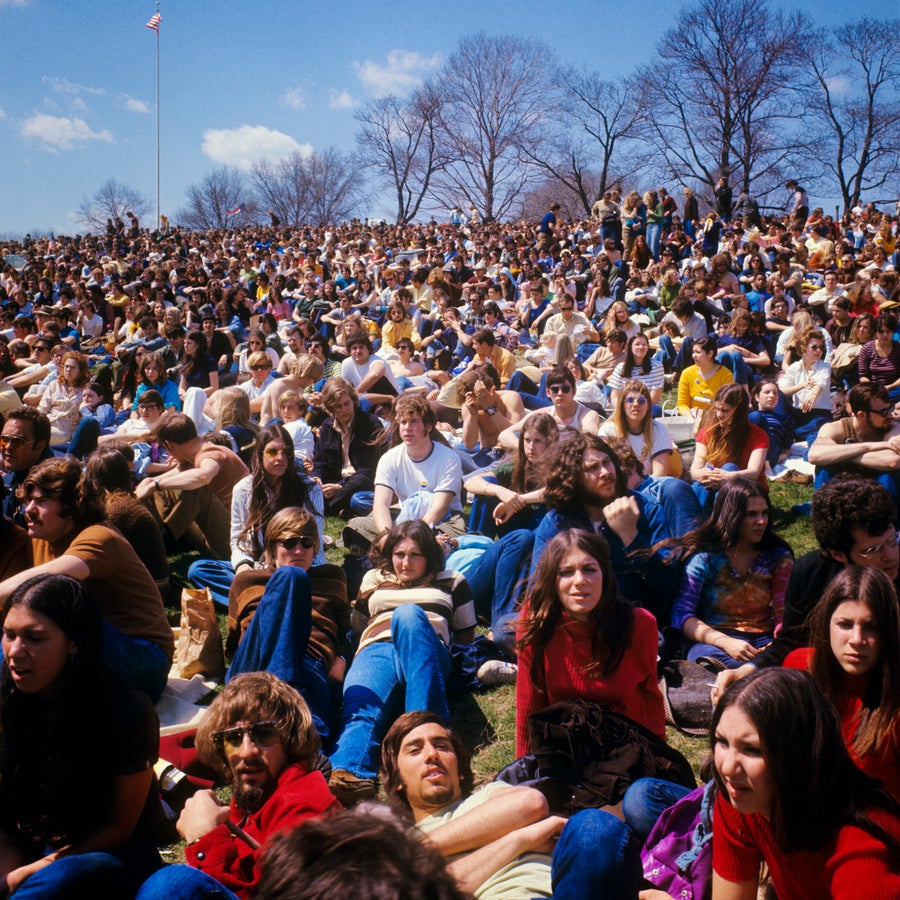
<point>292,618</point>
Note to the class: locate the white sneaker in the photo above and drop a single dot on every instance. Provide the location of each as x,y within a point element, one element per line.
<point>495,672</point>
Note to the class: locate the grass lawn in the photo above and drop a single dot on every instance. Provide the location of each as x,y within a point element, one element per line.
<point>486,720</point>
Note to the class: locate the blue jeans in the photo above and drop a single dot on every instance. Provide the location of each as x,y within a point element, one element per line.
<point>88,875</point>
<point>654,233</point>
<point>705,495</point>
<point>407,673</point>
<point>182,882</point>
<point>215,574</point>
<point>734,362</point>
<point>495,583</point>
<point>141,663</point>
<point>646,800</point>
<point>695,651</point>
<point>596,856</point>
<point>276,641</point>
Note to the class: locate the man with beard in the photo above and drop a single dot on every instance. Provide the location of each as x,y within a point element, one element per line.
<point>586,489</point>
<point>501,841</point>
<point>259,733</point>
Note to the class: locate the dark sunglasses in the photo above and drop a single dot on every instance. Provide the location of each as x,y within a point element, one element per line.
<point>560,389</point>
<point>259,368</point>
<point>304,540</point>
<point>263,734</point>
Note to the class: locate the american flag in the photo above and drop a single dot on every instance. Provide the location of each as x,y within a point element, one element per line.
<point>232,212</point>
<point>155,19</point>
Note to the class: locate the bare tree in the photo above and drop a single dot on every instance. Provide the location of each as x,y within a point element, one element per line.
<point>323,187</point>
<point>854,105</point>
<point>721,93</point>
<point>594,143</point>
<point>112,199</point>
<point>211,203</point>
<point>496,96</point>
<point>399,141</point>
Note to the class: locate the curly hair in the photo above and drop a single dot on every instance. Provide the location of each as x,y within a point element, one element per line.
<point>81,361</point>
<point>258,697</point>
<point>611,620</point>
<point>564,467</point>
<point>390,753</point>
<point>846,503</point>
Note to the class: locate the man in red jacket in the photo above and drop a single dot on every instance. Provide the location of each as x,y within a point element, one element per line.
<point>259,733</point>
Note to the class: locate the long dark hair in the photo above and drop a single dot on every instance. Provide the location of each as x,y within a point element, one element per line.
<point>721,530</point>
<point>817,787</point>
<point>527,476</point>
<point>881,700</point>
<point>630,363</point>
<point>724,443</point>
<point>46,743</point>
<point>189,362</point>
<point>293,490</point>
<point>611,621</point>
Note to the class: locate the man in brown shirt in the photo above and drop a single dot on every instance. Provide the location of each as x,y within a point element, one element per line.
<point>194,500</point>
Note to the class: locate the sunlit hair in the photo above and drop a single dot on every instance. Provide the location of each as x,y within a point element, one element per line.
<point>565,464</point>
<point>630,363</point>
<point>861,319</point>
<point>62,479</point>
<point>529,476</point>
<point>333,390</point>
<point>724,443</point>
<point>154,360</point>
<point>817,787</point>
<point>417,531</point>
<point>414,406</point>
<point>233,408</point>
<point>611,621</point>
<point>620,419</point>
<point>307,368</point>
<point>390,755</point>
<point>81,361</point>
<point>292,521</point>
<point>258,697</point>
<point>881,700</point>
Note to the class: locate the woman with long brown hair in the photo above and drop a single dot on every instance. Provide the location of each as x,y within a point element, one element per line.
<point>728,445</point>
<point>579,639</point>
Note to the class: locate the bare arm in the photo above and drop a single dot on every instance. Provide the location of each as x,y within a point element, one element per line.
<point>187,480</point>
<point>62,565</point>
<point>381,507</point>
<point>732,890</point>
<point>439,508</point>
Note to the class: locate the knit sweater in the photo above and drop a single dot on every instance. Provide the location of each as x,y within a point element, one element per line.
<point>631,689</point>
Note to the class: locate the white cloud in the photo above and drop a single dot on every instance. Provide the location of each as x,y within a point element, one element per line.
<point>404,72</point>
<point>79,104</point>
<point>241,147</point>
<point>839,85</point>
<point>61,133</point>
<point>64,86</point>
<point>135,105</point>
<point>2,113</point>
<point>14,2</point>
<point>340,100</point>
<point>292,98</point>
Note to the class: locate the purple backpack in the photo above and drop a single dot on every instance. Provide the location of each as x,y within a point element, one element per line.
<point>677,855</point>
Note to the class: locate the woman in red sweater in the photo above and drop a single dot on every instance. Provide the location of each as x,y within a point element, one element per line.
<point>790,795</point>
<point>855,659</point>
<point>578,639</point>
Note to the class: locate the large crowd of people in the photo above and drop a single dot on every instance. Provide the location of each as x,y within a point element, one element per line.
<point>484,408</point>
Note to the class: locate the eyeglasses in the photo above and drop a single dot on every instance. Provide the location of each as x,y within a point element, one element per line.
<point>566,308</point>
<point>274,452</point>
<point>885,411</point>
<point>14,440</point>
<point>41,348</point>
<point>258,368</point>
<point>881,547</point>
<point>263,734</point>
<point>640,400</point>
<point>304,540</point>
<point>819,347</point>
<point>559,389</point>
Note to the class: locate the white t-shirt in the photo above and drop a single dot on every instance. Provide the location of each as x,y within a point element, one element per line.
<point>353,373</point>
<point>661,441</point>
<point>439,472</point>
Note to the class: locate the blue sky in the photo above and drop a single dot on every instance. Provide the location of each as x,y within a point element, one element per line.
<point>242,79</point>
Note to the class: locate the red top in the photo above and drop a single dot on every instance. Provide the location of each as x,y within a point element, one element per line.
<point>757,439</point>
<point>632,689</point>
<point>854,866</point>
<point>232,861</point>
<point>884,763</point>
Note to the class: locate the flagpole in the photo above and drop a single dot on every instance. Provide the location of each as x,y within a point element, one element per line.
<point>158,219</point>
